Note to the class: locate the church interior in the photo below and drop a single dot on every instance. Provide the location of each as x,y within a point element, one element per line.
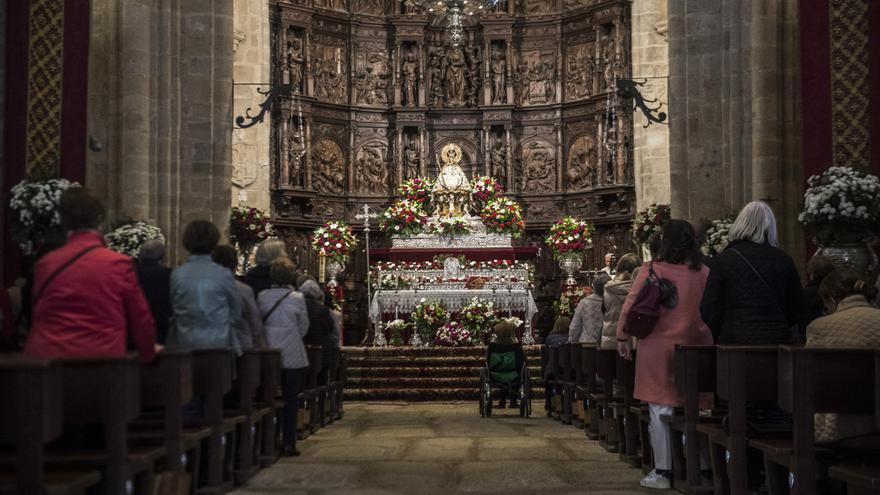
<point>514,246</point>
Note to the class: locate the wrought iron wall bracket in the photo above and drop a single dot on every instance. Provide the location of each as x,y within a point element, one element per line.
<point>272,94</point>
<point>630,88</point>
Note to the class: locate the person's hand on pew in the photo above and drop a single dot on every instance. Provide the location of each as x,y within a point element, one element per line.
<point>624,348</point>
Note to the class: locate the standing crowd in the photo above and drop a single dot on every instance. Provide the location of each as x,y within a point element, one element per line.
<point>750,294</point>
<point>87,300</point>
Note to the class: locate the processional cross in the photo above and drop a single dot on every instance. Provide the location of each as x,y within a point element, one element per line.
<point>366,215</point>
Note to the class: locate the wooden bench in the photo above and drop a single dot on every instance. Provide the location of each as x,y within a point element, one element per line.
<point>860,480</point>
<point>627,422</point>
<point>565,380</point>
<point>592,388</point>
<point>554,396</point>
<point>270,399</point>
<point>212,380</point>
<point>339,382</point>
<point>33,418</point>
<point>695,375</point>
<point>245,386</point>
<point>578,382</point>
<point>606,369</point>
<point>166,386</point>
<point>814,380</point>
<point>309,418</point>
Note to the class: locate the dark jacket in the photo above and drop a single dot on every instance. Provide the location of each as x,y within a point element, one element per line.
<point>155,281</point>
<point>258,278</point>
<point>814,307</point>
<point>321,330</point>
<point>516,349</point>
<point>740,308</point>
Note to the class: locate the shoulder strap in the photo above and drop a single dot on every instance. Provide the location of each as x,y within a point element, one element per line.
<point>758,274</point>
<point>275,306</point>
<point>59,270</point>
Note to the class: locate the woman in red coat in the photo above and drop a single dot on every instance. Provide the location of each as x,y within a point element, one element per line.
<point>679,260</point>
<point>86,298</point>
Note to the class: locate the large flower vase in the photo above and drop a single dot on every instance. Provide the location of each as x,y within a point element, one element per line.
<point>570,264</point>
<point>859,256</point>
<point>334,268</point>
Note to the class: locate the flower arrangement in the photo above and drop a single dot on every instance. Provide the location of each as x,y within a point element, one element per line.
<point>437,264</point>
<point>570,236</point>
<point>428,317</point>
<point>486,189</point>
<point>389,281</point>
<point>450,226</point>
<point>403,218</point>
<point>34,206</point>
<point>513,320</point>
<point>396,330</point>
<point>334,240</point>
<point>569,300</point>
<point>416,190</point>
<point>439,260</point>
<point>503,216</point>
<point>452,334</point>
<point>716,236</point>
<point>840,205</point>
<point>249,226</point>
<point>128,239</point>
<point>650,220</point>
<point>478,317</point>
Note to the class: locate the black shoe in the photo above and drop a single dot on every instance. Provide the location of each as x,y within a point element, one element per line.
<point>289,451</point>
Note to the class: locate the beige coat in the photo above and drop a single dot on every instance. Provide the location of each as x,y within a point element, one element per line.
<point>615,294</point>
<point>855,323</point>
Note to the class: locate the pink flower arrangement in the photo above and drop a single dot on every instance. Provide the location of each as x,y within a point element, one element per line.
<point>417,190</point>
<point>570,236</point>
<point>503,216</point>
<point>486,189</point>
<point>452,334</point>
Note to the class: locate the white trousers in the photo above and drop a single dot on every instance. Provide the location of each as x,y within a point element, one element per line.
<point>660,440</point>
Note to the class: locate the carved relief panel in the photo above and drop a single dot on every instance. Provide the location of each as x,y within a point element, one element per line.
<point>371,7</point>
<point>582,168</point>
<point>330,69</point>
<point>537,167</point>
<point>371,163</point>
<point>455,77</point>
<point>580,71</point>
<point>329,166</point>
<point>535,78</point>
<point>371,75</point>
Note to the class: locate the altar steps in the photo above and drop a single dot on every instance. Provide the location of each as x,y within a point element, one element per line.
<point>422,374</point>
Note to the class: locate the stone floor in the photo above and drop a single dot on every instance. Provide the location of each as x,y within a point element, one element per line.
<point>426,449</point>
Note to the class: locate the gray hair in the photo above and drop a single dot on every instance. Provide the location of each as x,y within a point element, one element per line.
<point>755,223</point>
<point>152,250</point>
<point>312,290</point>
<point>270,250</point>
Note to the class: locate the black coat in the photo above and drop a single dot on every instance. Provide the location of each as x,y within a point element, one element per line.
<point>258,279</point>
<point>814,307</point>
<point>321,330</point>
<point>155,282</point>
<point>740,308</point>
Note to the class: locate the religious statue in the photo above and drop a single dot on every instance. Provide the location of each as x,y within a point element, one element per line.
<point>372,175</point>
<point>411,7</point>
<point>452,191</point>
<point>498,161</point>
<point>370,87</point>
<point>522,84</point>
<point>582,171</point>
<point>454,78</point>
<point>294,64</point>
<point>329,177</point>
<point>410,74</point>
<point>436,80</point>
<point>412,158</point>
<point>498,67</point>
<point>474,81</point>
<point>329,80</point>
<point>608,56</point>
<point>295,155</point>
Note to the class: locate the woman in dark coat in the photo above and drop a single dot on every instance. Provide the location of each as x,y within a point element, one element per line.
<point>753,295</point>
<point>321,326</point>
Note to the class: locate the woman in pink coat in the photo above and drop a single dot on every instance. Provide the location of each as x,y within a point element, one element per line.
<point>679,260</point>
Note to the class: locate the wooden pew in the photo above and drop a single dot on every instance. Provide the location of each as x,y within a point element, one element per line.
<point>606,369</point>
<point>814,380</point>
<point>591,413</point>
<point>339,383</point>
<point>578,382</point>
<point>627,422</point>
<point>270,400</point>
<point>329,396</point>
<point>553,386</point>
<point>743,374</point>
<point>859,480</point>
<point>32,419</point>
<point>212,379</point>
<point>309,420</point>
<point>166,385</point>
<point>695,374</point>
<point>245,386</point>
<point>566,382</point>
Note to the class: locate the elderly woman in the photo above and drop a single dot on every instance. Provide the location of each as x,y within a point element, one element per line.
<point>249,327</point>
<point>851,322</point>
<point>267,252</point>
<point>283,312</point>
<point>502,368</point>
<point>322,328</point>
<point>154,278</point>
<point>753,295</point>
<point>614,294</point>
<point>586,324</point>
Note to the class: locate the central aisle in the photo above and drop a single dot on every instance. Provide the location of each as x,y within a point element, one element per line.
<point>424,449</point>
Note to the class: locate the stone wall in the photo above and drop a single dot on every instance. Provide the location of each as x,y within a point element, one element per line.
<point>733,104</point>
<point>250,147</point>
<point>650,62</point>
<point>160,82</point>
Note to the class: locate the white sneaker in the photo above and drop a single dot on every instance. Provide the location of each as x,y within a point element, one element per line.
<point>656,481</point>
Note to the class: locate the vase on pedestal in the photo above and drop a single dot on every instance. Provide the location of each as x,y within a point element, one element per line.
<point>570,263</point>
<point>858,256</point>
<point>334,268</point>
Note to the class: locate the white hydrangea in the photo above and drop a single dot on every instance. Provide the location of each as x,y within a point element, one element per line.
<point>129,238</point>
<point>34,206</point>
<point>841,194</point>
<point>717,237</point>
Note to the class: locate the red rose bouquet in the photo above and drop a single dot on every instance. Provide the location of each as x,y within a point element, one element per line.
<point>486,189</point>
<point>452,334</point>
<point>417,190</point>
<point>650,220</point>
<point>570,236</point>
<point>450,226</point>
<point>428,317</point>
<point>503,216</point>
<point>404,218</point>
<point>478,317</point>
<point>249,226</point>
<point>334,240</point>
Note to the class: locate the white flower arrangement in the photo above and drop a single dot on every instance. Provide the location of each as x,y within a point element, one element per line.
<point>841,203</point>
<point>716,237</point>
<point>129,238</point>
<point>513,320</point>
<point>34,205</point>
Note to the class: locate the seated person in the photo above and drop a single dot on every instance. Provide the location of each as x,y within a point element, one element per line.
<point>505,358</point>
<point>559,335</point>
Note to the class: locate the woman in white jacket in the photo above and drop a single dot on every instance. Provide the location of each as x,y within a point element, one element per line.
<point>586,324</point>
<point>615,294</point>
<point>286,322</point>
